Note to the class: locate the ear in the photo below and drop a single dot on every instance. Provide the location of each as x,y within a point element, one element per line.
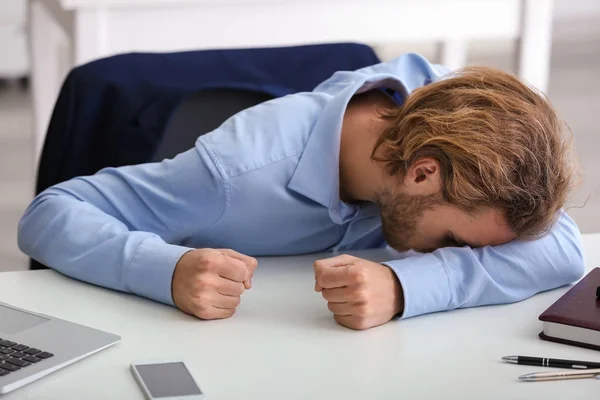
<point>423,177</point>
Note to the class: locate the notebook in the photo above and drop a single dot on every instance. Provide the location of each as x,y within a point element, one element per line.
<point>574,319</point>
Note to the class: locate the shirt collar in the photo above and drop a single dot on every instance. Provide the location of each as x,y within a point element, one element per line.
<point>317,173</point>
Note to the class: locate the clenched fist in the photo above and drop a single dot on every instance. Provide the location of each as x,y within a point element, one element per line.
<point>208,283</point>
<point>361,294</point>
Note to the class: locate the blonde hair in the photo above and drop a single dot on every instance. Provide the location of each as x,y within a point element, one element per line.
<point>498,141</point>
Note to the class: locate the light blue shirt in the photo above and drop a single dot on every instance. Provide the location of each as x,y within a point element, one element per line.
<point>266,183</point>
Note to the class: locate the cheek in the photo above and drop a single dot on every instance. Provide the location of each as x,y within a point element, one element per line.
<point>430,232</point>
<point>422,238</point>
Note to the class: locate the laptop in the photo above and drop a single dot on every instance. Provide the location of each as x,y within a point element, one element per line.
<point>34,345</point>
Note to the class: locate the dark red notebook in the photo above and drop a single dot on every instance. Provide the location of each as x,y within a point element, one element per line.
<point>574,319</point>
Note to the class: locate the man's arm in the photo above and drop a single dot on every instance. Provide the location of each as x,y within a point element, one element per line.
<point>362,294</point>
<point>453,277</point>
<point>114,228</point>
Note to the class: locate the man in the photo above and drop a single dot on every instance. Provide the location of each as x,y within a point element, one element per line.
<point>470,169</point>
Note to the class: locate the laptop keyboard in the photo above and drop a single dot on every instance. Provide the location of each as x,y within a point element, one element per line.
<point>14,356</point>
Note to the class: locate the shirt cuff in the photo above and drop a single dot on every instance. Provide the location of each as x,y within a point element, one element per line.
<point>151,269</point>
<point>425,284</point>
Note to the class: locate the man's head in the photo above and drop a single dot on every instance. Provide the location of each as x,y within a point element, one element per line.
<point>478,158</point>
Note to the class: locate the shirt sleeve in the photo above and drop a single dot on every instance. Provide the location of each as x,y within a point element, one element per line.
<point>121,227</point>
<point>454,277</point>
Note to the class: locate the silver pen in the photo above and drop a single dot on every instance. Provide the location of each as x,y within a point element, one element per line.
<point>557,375</point>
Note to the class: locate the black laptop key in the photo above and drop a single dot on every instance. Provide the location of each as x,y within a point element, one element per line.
<point>6,343</point>
<point>18,362</point>
<point>32,359</point>
<point>7,351</point>
<point>4,357</point>
<point>20,347</point>
<point>9,367</point>
<point>18,354</point>
<point>4,372</point>
<point>32,351</point>
<point>44,354</point>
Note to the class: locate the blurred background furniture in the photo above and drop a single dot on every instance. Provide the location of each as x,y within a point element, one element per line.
<point>66,33</point>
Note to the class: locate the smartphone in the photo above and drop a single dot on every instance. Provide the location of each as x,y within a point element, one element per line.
<point>166,380</point>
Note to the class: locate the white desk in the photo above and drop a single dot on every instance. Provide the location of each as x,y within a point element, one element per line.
<point>65,33</point>
<point>283,344</point>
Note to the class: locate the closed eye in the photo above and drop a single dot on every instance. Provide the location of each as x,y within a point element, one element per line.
<point>450,242</point>
<point>453,242</point>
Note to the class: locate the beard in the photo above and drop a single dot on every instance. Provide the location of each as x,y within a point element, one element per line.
<point>400,215</point>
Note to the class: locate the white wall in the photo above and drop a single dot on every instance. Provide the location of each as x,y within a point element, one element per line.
<point>13,46</point>
<point>576,21</point>
<point>575,9</point>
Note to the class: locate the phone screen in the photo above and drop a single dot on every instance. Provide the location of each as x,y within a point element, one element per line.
<point>167,380</point>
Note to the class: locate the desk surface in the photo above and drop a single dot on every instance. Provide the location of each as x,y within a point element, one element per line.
<point>284,344</point>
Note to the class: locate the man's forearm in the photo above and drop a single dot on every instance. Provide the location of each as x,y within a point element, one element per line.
<point>79,240</point>
<point>454,277</point>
